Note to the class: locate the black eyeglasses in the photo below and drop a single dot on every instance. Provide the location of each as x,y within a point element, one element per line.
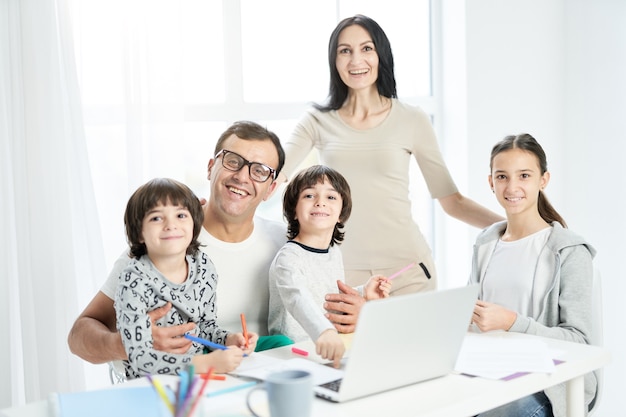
<point>234,162</point>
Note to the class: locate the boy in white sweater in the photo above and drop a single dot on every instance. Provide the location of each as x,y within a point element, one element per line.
<point>316,205</point>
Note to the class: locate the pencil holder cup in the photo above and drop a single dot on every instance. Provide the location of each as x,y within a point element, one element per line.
<point>289,394</point>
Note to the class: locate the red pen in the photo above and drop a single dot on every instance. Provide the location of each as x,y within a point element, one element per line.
<point>245,329</point>
<point>299,351</point>
<point>216,377</point>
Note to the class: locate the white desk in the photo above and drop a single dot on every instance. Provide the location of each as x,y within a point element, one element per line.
<point>459,395</point>
<point>449,396</point>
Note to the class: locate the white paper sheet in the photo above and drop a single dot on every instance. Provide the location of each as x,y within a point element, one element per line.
<point>494,357</point>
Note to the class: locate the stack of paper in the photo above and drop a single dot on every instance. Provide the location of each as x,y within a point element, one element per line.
<point>491,356</point>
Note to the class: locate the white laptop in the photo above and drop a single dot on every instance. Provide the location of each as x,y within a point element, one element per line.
<point>403,340</point>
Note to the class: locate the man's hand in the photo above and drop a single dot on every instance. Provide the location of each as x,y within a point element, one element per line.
<point>169,339</point>
<point>343,308</point>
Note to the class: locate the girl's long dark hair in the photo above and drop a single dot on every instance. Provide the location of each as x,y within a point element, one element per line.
<point>526,142</point>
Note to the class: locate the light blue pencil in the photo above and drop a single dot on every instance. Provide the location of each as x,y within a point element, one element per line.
<point>231,389</point>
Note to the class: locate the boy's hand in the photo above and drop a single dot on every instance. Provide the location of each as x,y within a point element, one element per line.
<point>227,360</point>
<point>222,361</point>
<point>377,286</point>
<point>238,339</point>
<point>330,346</point>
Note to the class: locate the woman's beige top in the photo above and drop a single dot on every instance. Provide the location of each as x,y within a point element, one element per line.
<point>381,232</point>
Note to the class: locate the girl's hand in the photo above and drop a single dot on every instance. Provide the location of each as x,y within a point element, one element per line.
<point>489,316</point>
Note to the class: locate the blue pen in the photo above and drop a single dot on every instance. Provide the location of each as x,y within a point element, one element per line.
<point>208,343</point>
<point>205,342</point>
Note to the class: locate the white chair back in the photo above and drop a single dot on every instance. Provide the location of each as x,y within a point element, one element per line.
<point>117,372</point>
<point>597,331</point>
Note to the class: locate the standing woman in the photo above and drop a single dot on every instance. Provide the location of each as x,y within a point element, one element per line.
<point>535,275</point>
<point>369,136</point>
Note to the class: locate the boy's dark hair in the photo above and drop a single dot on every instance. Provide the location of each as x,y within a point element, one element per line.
<point>306,179</point>
<point>148,196</point>
<point>247,130</point>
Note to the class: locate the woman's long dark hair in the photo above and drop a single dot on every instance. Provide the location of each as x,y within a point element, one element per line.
<point>526,142</point>
<point>386,82</point>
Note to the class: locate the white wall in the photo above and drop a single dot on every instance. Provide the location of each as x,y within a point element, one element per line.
<point>557,70</point>
<point>596,123</point>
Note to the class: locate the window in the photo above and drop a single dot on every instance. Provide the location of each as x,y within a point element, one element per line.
<point>161,79</point>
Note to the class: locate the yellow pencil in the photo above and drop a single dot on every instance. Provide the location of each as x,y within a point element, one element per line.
<point>161,391</point>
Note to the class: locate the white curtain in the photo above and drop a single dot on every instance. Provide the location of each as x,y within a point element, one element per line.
<point>51,247</point>
<point>134,61</point>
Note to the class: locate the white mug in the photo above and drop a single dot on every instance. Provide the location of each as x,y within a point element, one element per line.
<point>289,393</point>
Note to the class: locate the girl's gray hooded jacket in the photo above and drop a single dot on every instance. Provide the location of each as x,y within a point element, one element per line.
<point>561,296</point>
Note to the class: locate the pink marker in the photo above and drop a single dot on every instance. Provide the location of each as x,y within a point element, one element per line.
<point>299,351</point>
<point>409,266</point>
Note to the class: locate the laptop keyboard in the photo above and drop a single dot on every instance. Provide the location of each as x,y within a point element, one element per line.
<point>332,385</point>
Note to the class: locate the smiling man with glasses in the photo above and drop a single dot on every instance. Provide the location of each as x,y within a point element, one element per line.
<point>235,192</point>
<point>240,244</point>
<point>234,162</point>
